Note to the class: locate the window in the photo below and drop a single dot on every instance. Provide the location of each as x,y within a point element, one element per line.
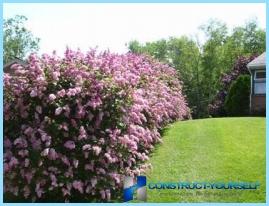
<point>260,75</point>
<point>259,88</point>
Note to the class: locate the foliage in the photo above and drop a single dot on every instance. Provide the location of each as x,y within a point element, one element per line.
<point>18,41</point>
<point>202,65</point>
<point>216,108</point>
<point>216,33</point>
<point>221,51</point>
<point>75,125</point>
<point>237,101</point>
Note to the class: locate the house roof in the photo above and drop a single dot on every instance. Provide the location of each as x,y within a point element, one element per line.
<point>7,66</point>
<point>15,61</point>
<point>259,62</point>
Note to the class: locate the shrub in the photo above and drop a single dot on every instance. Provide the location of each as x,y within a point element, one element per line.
<point>73,126</point>
<point>237,100</point>
<point>216,108</point>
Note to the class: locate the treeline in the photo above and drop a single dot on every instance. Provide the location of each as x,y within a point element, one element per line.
<point>200,66</point>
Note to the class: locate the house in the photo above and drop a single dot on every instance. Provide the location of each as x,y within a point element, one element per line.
<point>257,69</point>
<point>8,66</point>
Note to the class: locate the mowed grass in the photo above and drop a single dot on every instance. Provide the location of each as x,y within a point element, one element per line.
<point>210,150</point>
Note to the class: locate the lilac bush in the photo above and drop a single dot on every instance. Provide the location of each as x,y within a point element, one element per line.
<point>216,108</point>
<point>73,126</point>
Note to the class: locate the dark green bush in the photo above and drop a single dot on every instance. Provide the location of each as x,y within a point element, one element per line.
<point>237,100</point>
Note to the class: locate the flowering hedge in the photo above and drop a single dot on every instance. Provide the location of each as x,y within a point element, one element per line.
<point>73,126</point>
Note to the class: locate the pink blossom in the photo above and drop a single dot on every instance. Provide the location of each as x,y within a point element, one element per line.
<point>7,143</point>
<point>65,160</point>
<point>101,171</point>
<point>108,194</point>
<point>20,142</point>
<point>28,131</point>
<point>96,150</point>
<point>73,123</point>
<point>36,143</point>
<point>88,167</point>
<point>103,194</point>
<point>39,191</point>
<point>65,192</point>
<point>93,181</point>
<point>82,133</point>
<point>86,155</point>
<point>26,163</point>
<point>23,153</point>
<point>66,108</point>
<point>29,177</point>
<point>109,158</point>
<point>26,191</point>
<point>78,185</point>
<point>52,97</point>
<point>58,111</point>
<point>13,162</point>
<point>70,145</point>
<point>52,154</point>
<point>75,163</point>
<point>33,93</point>
<point>61,93</point>
<point>55,75</point>
<point>45,152</point>
<point>86,147</point>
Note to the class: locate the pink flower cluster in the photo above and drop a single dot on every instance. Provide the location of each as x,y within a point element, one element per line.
<point>73,126</point>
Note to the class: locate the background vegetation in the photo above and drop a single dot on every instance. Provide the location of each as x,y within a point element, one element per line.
<point>18,41</point>
<point>237,100</point>
<point>202,65</point>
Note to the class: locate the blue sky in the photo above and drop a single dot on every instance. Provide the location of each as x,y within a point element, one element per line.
<point>111,26</point>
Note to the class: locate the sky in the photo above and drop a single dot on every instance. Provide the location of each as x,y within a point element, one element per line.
<point>112,26</point>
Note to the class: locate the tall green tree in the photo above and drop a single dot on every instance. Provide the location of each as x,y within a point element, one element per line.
<point>212,53</point>
<point>184,55</point>
<point>18,41</point>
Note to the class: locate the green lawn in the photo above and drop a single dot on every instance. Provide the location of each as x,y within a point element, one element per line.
<point>214,150</point>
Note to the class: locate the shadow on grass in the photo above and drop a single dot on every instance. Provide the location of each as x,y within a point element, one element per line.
<point>164,130</point>
<point>163,133</point>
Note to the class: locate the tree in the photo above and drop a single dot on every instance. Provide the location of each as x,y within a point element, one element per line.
<point>221,52</point>
<point>184,55</point>
<point>253,38</point>
<point>18,41</point>
<point>216,108</point>
<point>237,100</point>
<point>244,40</point>
<point>212,61</point>
<point>135,47</point>
<point>156,49</point>
<point>243,45</point>
<point>201,67</point>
